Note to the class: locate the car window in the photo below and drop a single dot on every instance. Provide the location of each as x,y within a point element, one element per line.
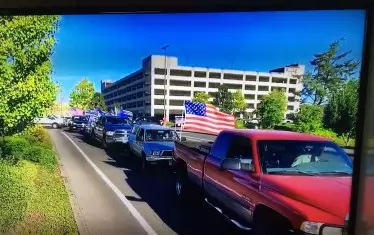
<point>116,120</point>
<point>221,145</point>
<point>303,157</point>
<point>240,148</point>
<point>161,135</point>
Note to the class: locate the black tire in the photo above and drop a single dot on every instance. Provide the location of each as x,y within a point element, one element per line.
<point>104,143</point>
<point>267,222</point>
<point>183,188</point>
<point>144,163</point>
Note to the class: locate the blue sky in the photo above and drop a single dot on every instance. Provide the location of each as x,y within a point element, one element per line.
<point>111,46</point>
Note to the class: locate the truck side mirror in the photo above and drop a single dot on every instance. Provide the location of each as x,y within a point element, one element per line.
<point>231,164</point>
<point>331,229</point>
<point>237,164</point>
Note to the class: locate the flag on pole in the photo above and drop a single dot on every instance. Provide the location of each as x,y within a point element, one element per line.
<point>206,118</point>
<point>76,112</point>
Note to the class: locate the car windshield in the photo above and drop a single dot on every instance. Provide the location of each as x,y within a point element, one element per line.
<point>161,135</point>
<point>117,120</point>
<point>294,157</point>
<point>80,119</point>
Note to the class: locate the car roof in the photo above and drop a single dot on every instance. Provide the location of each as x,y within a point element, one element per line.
<point>258,134</point>
<point>154,127</point>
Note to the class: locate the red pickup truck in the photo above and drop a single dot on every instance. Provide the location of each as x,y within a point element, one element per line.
<point>269,182</point>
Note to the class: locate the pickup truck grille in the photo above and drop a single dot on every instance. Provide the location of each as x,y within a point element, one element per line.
<point>167,153</point>
<point>120,133</point>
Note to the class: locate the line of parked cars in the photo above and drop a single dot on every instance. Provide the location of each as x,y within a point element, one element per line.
<point>265,182</point>
<point>144,137</point>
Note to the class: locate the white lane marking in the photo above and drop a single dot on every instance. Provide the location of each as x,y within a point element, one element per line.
<point>149,230</point>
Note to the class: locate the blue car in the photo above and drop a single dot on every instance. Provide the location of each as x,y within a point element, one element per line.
<point>153,144</point>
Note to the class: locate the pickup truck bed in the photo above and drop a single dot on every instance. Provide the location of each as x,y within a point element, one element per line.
<point>199,147</point>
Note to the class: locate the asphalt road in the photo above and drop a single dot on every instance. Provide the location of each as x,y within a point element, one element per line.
<point>149,196</point>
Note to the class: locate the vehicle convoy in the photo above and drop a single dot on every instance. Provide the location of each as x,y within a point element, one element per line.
<point>152,144</point>
<point>51,121</point>
<point>111,130</point>
<point>272,182</point>
<point>78,123</point>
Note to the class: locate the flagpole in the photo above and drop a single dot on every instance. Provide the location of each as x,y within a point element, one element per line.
<point>183,118</point>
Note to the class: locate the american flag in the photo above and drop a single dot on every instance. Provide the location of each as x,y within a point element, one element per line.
<point>76,111</point>
<point>206,118</point>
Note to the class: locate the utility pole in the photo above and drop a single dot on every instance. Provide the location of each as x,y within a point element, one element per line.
<point>164,48</point>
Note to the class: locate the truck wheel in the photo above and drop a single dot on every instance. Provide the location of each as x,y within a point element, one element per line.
<point>104,143</point>
<point>182,187</point>
<point>54,125</point>
<point>144,163</point>
<point>263,218</point>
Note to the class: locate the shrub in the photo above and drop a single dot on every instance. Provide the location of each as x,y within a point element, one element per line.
<point>240,124</point>
<point>170,124</point>
<point>329,135</point>
<point>39,154</point>
<point>13,148</point>
<point>13,196</point>
<point>285,127</point>
<point>40,134</point>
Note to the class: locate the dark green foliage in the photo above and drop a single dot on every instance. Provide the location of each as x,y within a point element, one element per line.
<point>224,99</point>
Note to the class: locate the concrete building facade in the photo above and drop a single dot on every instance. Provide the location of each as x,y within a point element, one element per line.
<point>142,92</point>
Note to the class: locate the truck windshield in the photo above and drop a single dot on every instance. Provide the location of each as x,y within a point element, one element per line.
<point>294,157</point>
<point>117,120</point>
<point>161,135</point>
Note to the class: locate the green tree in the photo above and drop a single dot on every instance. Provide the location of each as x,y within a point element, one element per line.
<point>271,109</point>
<point>26,87</point>
<point>309,118</point>
<point>201,97</point>
<point>224,99</point>
<point>331,70</point>
<point>239,102</point>
<point>340,113</point>
<point>82,95</point>
<point>98,101</point>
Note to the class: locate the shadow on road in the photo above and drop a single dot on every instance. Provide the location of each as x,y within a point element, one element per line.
<point>156,188</point>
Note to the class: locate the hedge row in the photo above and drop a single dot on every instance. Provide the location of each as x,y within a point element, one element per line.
<point>18,171</point>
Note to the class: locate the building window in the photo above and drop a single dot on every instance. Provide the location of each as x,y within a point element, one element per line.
<point>212,94</point>
<point>180,73</point>
<point>250,78</point>
<point>159,81</point>
<point>293,81</point>
<point>159,92</point>
<point>250,87</point>
<point>234,86</point>
<point>290,107</point>
<point>291,99</point>
<point>176,102</point>
<point>160,71</point>
<point>215,75</point>
<point>264,79</point>
<point>278,89</point>
<point>180,83</point>
<point>214,84</point>
<point>199,84</point>
<point>279,80</point>
<point>199,74</point>
<point>229,76</point>
<point>139,104</point>
<point>249,97</point>
<point>158,102</point>
<point>260,97</point>
<point>251,106</point>
<point>179,93</point>
<point>263,88</point>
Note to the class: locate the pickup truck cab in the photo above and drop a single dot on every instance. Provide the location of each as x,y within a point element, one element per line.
<point>111,129</point>
<point>270,182</point>
<point>152,144</point>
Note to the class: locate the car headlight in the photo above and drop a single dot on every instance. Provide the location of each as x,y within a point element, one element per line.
<point>109,133</point>
<point>155,153</point>
<point>311,227</point>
